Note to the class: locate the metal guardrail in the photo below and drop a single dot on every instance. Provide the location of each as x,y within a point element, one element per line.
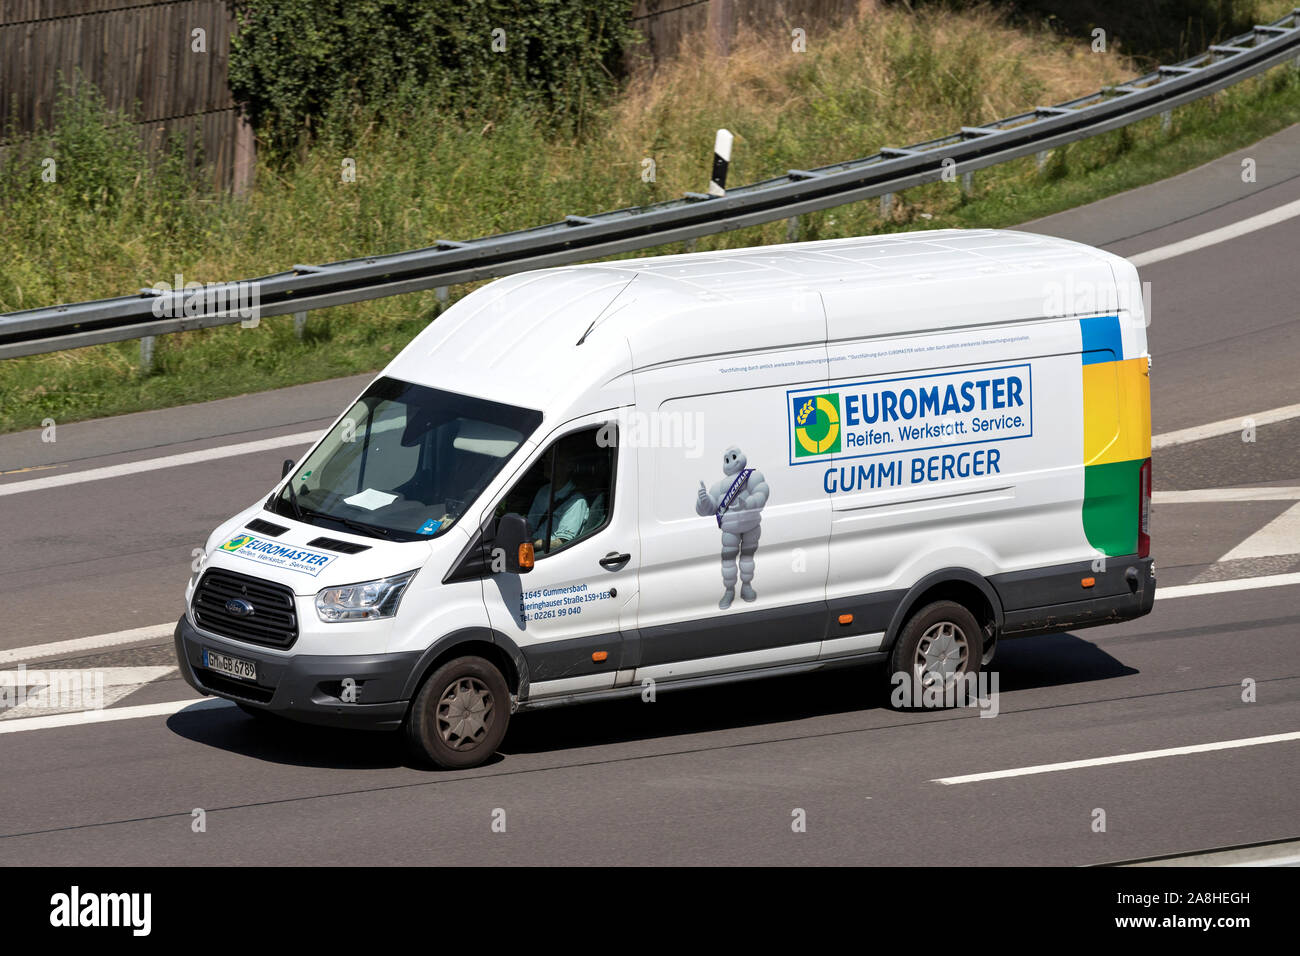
<point>579,238</point>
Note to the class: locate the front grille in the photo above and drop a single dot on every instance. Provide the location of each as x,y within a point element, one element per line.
<point>273,623</point>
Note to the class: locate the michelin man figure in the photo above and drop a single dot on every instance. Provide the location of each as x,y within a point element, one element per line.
<point>737,503</point>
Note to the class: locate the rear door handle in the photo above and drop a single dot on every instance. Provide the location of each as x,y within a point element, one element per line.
<point>613,561</point>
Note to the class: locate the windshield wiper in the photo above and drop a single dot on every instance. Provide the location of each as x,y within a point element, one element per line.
<point>358,526</point>
<point>302,514</point>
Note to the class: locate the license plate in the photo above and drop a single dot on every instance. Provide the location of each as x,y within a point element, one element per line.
<point>230,666</point>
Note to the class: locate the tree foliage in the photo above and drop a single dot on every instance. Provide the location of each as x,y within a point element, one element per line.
<point>311,68</point>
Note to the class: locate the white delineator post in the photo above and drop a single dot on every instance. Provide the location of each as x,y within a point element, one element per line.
<point>721,159</point>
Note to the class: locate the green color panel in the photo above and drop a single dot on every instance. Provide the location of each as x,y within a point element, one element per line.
<point>1110,506</point>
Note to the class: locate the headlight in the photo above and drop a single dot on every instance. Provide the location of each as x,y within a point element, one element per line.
<point>367,601</point>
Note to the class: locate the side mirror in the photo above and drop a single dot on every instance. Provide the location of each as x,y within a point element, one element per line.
<point>512,540</point>
<point>286,468</point>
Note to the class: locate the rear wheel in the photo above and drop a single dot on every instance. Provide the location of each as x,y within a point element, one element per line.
<point>459,717</point>
<point>937,648</point>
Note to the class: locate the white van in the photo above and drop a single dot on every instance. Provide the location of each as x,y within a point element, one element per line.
<point>691,469</point>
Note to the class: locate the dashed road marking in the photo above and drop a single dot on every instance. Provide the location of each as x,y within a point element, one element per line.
<point>1225,426</point>
<point>1232,584</point>
<point>110,715</point>
<point>154,464</point>
<point>1215,236</point>
<point>1120,758</point>
<point>75,646</point>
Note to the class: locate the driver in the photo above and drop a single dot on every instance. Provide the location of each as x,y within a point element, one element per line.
<point>570,508</point>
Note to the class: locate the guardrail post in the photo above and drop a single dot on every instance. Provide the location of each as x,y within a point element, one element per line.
<point>1041,158</point>
<point>443,293</point>
<point>792,229</point>
<point>886,204</point>
<point>1166,120</point>
<point>146,353</point>
<point>300,324</point>
<point>721,160</point>
<point>967,181</point>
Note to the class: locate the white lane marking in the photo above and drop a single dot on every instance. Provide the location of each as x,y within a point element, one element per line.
<point>1215,236</point>
<point>1279,536</point>
<point>1271,861</point>
<point>40,692</point>
<point>111,676</point>
<point>76,645</point>
<point>1216,495</point>
<point>110,715</point>
<point>153,464</point>
<point>1232,584</point>
<point>1225,427</point>
<point>37,705</point>
<point>1119,758</point>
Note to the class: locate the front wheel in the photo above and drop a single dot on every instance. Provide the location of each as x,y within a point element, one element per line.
<point>937,649</point>
<point>459,717</point>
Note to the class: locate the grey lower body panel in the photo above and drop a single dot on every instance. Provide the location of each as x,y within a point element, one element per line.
<point>711,680</point>
<point>732,632</point>
<point>1050,600</point>
<point>307,688</point>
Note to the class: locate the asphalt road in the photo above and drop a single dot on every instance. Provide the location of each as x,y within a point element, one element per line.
<point>713,777</point>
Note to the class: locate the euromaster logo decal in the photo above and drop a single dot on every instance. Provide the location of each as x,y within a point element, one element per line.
<point>911,413</point>
<point>277,554</point>
<point>816,424</point>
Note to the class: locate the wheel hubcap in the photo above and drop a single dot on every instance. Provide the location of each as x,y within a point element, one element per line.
<point>465,713</point>
<point>941,655</point>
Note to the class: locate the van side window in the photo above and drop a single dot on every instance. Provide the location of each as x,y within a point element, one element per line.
<point>568,493</point>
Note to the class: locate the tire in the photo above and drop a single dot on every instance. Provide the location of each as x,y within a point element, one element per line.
<point>939,641</point>
<point>460,714</point>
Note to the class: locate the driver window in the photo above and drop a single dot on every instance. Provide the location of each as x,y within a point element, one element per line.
<point>568,493</point>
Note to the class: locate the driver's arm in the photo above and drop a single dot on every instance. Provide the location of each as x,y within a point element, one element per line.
<point>569,524</point>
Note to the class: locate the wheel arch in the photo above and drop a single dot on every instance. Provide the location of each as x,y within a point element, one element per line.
<point>484,642</point>
<point>962,585</point>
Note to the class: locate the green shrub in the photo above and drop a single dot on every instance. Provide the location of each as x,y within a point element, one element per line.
<point>324,67</point>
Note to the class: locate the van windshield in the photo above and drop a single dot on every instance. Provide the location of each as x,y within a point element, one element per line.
<point>405,461</point>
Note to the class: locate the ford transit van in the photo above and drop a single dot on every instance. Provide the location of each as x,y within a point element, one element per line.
<point>633,476</point>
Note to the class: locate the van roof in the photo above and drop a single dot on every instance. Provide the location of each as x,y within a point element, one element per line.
<point>644,311</point>
<point>863,261</point>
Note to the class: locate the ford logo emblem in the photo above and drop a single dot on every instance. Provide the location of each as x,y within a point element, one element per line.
<point>238,607</point>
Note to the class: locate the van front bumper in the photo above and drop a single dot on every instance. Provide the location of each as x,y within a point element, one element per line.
<point>307,688</point>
